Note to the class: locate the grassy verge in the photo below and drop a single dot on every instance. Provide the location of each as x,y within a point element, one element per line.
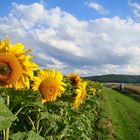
<point>120,116</point>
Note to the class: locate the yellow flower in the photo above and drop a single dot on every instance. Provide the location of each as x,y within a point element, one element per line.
<point>75,79</point>
<point>93,90</point>
<point>15,67</point>
<point>81,94</point>
<point>49,83</point>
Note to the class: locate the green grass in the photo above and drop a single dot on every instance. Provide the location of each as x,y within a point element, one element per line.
<point>123,113</point>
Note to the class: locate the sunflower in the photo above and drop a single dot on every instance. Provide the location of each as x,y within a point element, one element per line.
<point>49,84</point>
<point>81,94</point>
<point>93,90</point>
<point>15,67</point>
<point>75,79</point>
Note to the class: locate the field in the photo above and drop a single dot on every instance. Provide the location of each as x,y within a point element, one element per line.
<point>106,115</point>
<point>74,108</point>
<point>128,88</point>
<point>120,116</point>
<point>71,116</point>
<point>133,89</point>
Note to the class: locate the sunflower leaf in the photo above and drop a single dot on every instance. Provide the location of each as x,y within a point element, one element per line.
<point>27,97</point>
<point>31,135</point>
<point>19,136</point>
<point>34,136</point>
<point>6,116</point>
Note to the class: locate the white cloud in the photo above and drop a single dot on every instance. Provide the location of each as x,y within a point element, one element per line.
<point>49,58</point>
<point>60,40</point>
<point>97,7</point>
<point>49,37</point>
<point>136,8</point>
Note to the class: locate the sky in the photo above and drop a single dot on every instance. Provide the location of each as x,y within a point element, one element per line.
<point>89,37</point>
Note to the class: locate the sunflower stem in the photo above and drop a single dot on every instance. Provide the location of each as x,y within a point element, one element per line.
<point>3,134</point>
<point>8,129</point>
<point>7,100</point>
<point>21,109</point>
<point>32,123</point>
<point>38,120</point>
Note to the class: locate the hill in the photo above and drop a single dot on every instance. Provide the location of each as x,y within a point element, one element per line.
<point>116,78</point>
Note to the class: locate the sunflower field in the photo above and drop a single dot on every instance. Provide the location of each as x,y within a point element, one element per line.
<point>44,104</point>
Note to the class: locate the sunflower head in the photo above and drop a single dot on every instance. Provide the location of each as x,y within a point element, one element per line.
<point>15,67</point>
<point>75,79</point>
<point>81,94</point>
<point>11,69</point>
<point>49,84</point>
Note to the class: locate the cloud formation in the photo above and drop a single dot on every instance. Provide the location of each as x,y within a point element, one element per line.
<point>60,40</point>
<point>136,8</point>
<point>97,7</point>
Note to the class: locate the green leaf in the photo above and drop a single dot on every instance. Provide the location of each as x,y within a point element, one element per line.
<point>19,136</point>
<point>44,115</point>
<point>50,116</point>
<point>31,135</point>
<point>25,97</point>
<point>6,116</point>
<point>34,136</point>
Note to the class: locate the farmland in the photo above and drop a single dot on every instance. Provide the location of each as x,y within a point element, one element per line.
<point>27,118</point>
<point>120,116</point>
<point>131,88</point>
<point>108,115</point>
<point>70,70</point>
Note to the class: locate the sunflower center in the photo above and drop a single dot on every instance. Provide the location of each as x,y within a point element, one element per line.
<point>50,90</point>
<point>10,68</point>
<point>75,81</point>
<point>47,89</point>
<point>4,69</point>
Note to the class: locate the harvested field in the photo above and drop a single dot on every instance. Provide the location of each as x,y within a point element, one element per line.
<point>133,88</point>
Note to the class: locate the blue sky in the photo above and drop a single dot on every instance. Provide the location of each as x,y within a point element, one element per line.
<point>90,37</point>
<point>77,7</point>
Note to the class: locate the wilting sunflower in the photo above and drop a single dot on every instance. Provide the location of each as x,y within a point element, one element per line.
<point>49,83</point>
<point>81,94</point>
<point>75,79</point>
<point>15,67</point>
